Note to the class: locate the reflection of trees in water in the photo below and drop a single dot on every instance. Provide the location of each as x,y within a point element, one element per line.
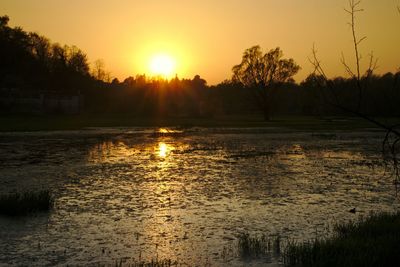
<point>179,190</point>
<point>30,162</point>
<point>290,167</point>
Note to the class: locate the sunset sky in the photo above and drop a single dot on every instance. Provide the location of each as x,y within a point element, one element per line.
<point>208,37</point>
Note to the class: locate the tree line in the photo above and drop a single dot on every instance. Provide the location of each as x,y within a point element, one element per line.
<point>261,84</point>
<point>31,62</point>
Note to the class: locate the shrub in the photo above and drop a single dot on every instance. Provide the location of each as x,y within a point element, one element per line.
<point>23,203</point>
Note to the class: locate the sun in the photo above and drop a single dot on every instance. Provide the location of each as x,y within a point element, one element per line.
<point>162,65</point>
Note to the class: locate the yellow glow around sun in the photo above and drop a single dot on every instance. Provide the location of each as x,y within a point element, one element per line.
<point>161,58</point>
<point>162,65</point>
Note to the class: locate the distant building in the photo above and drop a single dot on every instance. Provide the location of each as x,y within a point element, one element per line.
<point>12,100</point>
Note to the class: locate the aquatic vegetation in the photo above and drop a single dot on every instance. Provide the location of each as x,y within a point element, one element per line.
<point>152,263</point>
<point>23,203</point>
<point>371,241</point>
<point>184,198</point>
<point>254,247</point>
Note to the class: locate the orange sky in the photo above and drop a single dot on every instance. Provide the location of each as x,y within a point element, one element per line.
<point>208,37</point>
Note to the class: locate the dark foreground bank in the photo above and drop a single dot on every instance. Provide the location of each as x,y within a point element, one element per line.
<point>18,123</point>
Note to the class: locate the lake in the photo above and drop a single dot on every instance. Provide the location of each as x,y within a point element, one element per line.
<point>132,194</point>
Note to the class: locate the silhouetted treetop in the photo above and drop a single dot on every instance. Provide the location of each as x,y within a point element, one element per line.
<point>32,65</point>
<point>258,69</point>
<point>313,81</point>
<point>4,21</point>
<point>263,73</point>
<point>29,61</point>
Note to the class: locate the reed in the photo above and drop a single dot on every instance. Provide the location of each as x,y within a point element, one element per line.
<point>16,204</point>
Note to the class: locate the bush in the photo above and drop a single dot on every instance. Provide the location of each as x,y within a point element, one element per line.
<point>24,203</point>
<point>372,241</point>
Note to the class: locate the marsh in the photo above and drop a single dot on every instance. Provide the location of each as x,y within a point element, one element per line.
<point>130,194</point>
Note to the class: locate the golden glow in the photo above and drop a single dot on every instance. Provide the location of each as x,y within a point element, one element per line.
<point>208,37</point>
<point>145,56</point>
<point>120,151</point>
<point>110,152</point>
<point>162,65</point>
<point>169,131</point>
<point>163,130</point>
<point>162,150</point>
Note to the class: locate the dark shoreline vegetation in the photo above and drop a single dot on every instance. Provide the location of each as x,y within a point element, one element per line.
<point>18,204</point>
<point>370,241</point>
<point>22,123</point>
<point>38,76</point>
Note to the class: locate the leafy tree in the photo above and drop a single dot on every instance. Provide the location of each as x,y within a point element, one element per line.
<point>77,61</point>
<point>40,47</point>
<point>263,73</point>
<point>4,21</point>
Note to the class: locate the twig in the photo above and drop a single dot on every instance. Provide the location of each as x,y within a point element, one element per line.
<point>347,67</point>
<point>356,41</point>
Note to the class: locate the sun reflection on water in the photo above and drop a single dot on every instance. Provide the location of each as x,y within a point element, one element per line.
<point>163,130</point>
<point>185,197</point>
<point>162,149</point>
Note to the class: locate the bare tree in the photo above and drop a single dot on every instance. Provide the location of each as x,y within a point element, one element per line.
<point>390,144</point>
<point>98,71</point>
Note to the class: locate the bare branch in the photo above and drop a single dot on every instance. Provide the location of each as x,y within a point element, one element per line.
<point>317,64</point>
<point>361,39</point>
<point>372,65</point>
<point>347,67</point>
<point>318,69</point>
<point>391,142</point>
<point>353,9</point>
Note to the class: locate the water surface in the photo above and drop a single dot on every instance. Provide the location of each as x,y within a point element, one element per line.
<point>186,195</point>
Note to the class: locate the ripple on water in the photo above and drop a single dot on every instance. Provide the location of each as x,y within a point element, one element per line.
<point>130,194</point>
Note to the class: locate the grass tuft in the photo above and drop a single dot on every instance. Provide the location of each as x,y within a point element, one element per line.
<point>258,246</point>
<point>371,241</point>
<point>23,203</point>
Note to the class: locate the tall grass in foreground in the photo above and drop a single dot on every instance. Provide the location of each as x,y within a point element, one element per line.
<point>371,241</point>
<point>152,263</point>
<point>24,203</point>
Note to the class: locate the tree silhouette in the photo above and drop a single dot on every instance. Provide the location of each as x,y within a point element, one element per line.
<point>391,142</point>
<point>4,21</point>
<point>77,61</point>
<point>98,71</point>
<point>40,47</point>
<point>263,73</point>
